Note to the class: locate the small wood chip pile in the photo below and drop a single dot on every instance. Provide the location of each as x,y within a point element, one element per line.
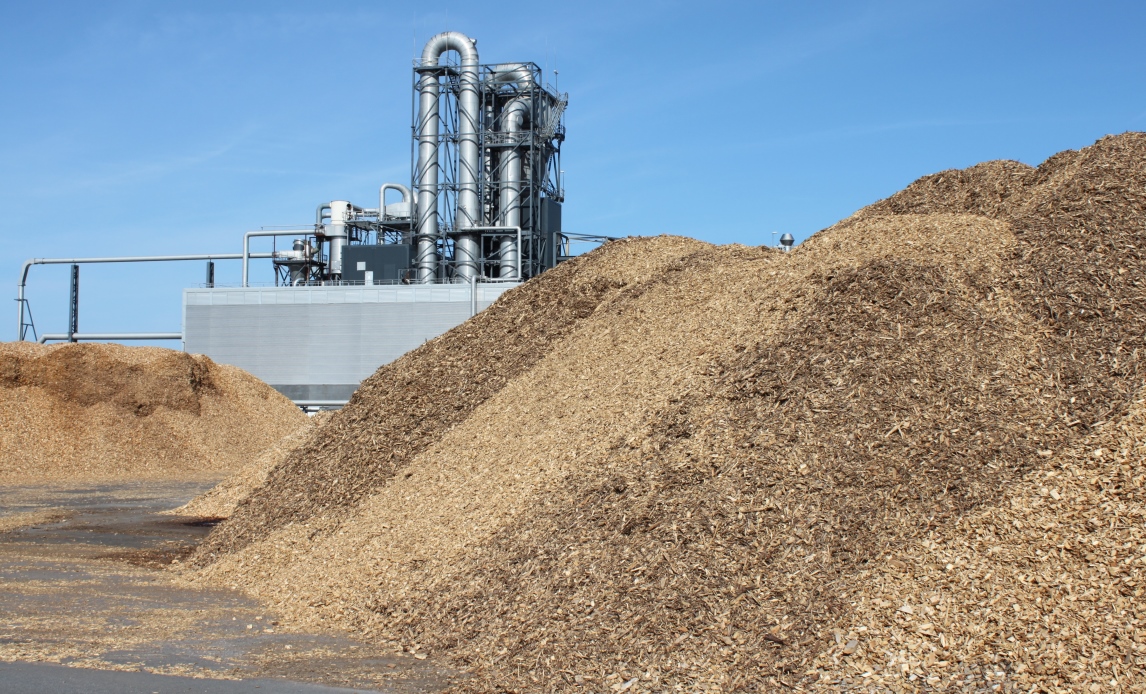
<point>87,412</point>
<point>669,466</point>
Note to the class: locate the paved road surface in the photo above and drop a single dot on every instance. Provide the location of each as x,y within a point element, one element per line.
<point>39,678</point>
<point>84,584</point>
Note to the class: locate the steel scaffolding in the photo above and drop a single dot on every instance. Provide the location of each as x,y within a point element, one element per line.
<point>535,146</point>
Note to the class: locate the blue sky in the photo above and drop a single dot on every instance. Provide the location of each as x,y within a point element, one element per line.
<point>132,128</point>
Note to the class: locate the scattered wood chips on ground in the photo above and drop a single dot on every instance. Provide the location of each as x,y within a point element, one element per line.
<point>87,412</point>
<point>905,456</point>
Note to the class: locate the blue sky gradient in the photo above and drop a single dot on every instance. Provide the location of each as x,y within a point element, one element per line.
<point>133,128</point>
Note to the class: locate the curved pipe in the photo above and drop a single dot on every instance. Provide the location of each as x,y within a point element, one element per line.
<point>382,196</point>
<point>247,255</point>
<point>20,296</point>
<point>469,210</point>
<point>320,213</point>
<point>513,72</point>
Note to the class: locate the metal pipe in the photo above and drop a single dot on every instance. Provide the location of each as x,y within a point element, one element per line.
<point>382,197</point>
<point>513,72</point>
<point>513,119</point>
<point>468,212</point>
<point>110,336</point>
<point>118,259</point>
<point>510,170</point>
<point>509,174</point>
<point>319,214</point>
<point>247,255</point>
<point>426,175</point>
<point>516,230</point>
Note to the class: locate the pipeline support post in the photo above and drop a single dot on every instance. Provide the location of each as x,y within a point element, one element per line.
<point>74,304</point>
<point>473,296</point>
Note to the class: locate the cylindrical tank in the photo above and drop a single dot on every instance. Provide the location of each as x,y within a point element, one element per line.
<point>336,235</point>
<point>298,272</point>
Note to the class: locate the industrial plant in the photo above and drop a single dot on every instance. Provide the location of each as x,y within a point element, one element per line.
<point>371,280</point>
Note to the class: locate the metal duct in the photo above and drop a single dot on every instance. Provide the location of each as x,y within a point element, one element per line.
<point>401,209</point>
<point>466,246</point>
<point>513,118</point>
<point>513,72</point>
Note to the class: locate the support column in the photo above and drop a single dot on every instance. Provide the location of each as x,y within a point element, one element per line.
<point>74,305</point>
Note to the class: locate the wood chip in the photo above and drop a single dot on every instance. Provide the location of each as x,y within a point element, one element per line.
<point>570,481</point>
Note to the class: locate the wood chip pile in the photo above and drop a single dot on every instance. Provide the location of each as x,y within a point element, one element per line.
<point>221,500</point>
<point>401,409</point>
<point>729,468</point>
<point>1041,590</point>
<point>88,412</point>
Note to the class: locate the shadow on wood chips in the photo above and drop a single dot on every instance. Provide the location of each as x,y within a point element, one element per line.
<point>668,464</point>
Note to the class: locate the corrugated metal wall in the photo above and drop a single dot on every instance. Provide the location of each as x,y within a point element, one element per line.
<point>319,343</point>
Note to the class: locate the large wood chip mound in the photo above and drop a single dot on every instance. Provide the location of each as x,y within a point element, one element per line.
<point>904,456</point>
<point>78,413</point>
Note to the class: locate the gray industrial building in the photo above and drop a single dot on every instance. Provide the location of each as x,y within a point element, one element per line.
<point>315,344</point>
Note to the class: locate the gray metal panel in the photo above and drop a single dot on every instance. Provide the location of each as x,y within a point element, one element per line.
<point>550,228</point>
<point>388,261</point>
<point>317,393</point>
<point>322,336</point>
<point>550,216</point>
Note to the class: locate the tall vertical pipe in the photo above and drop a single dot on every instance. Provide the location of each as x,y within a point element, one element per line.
<point>468,214</point>
<point>513,118</point>
<point>510,175</point>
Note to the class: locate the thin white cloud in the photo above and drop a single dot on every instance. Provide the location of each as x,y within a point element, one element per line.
<point>129,173</point>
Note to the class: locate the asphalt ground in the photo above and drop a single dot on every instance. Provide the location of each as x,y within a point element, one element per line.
<point>41,678</point>
<point>88,604</point>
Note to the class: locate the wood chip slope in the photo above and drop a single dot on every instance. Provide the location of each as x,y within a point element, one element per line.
<point>1041,591</point>
<point>88,412</point>
<point>221,500</point>
<point>693,484</point>
<point>396,413</point>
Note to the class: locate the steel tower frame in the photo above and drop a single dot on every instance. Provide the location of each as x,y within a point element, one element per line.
<point>538,144</point>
